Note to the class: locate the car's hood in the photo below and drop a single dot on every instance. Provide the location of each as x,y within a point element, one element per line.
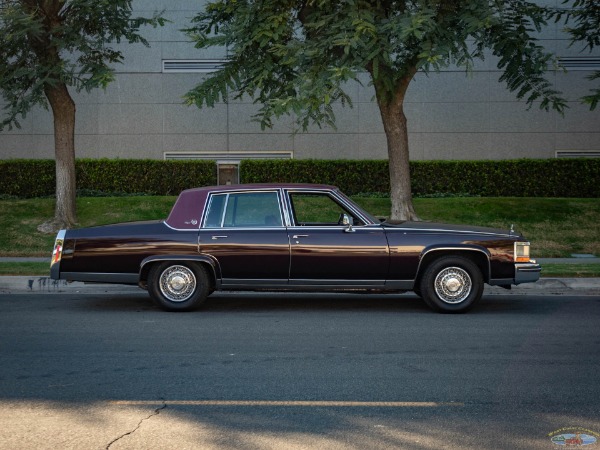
<point>447,227</point>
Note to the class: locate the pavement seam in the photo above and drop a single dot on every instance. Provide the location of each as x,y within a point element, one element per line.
<point>156,412</point>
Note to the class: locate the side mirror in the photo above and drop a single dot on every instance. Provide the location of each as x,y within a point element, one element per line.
<point>347,222</point>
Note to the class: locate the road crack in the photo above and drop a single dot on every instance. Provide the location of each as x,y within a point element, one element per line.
<point>156,412</point>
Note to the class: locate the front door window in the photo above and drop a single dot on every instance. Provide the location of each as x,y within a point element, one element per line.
<point>318,209</point>
<point>324,251</point>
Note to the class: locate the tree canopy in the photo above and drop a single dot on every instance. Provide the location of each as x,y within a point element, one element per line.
<point>583,24</point>
<point>297,57</point>
<point>47,46</point>
<point>48,42</point>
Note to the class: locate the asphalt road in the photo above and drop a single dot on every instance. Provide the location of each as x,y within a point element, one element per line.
<point>273,371</point>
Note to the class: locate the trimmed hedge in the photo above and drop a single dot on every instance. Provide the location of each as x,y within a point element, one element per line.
<point>27,178</point>
<point>351,176</point>
<point>37,178</point>
<point>510,178</point>
<point>504,178</point>
<point>153,177</point>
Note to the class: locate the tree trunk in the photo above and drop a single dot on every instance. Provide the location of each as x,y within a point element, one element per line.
<point>47,12</point>
<point>396,131</point>
<point>63,110</point>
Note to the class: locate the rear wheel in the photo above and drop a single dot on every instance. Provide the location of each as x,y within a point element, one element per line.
<point>451,284</point>
<point>177,286</point>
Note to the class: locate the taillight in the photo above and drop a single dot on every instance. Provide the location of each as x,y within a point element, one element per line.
<point>522,252</point>
<point>58,247</point>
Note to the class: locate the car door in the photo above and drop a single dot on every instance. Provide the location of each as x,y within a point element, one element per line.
<point>244,232</point>
<point>326,252</point>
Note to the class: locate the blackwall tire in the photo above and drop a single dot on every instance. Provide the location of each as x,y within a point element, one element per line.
<point>451,284</point>
<point>178,286</point>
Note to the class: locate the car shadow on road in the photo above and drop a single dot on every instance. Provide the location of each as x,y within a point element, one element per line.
<point>261,302</point>
<point>284,301</point>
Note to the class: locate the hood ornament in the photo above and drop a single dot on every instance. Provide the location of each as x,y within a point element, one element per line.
<point>512,228</point>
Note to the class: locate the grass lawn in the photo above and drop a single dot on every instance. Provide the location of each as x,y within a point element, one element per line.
<point>556,227</point>
<point>571,270</point>
<point>19,219</point>
<point>25,268</point>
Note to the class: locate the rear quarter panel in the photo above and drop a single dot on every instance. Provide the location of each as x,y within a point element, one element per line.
<point>122,248</point>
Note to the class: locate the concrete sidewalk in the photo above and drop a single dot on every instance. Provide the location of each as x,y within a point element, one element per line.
<point>45,285</point>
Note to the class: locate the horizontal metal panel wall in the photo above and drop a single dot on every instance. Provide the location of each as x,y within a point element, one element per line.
<point>451,115</point>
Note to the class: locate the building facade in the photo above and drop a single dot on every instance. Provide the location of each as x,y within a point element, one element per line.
<point>451,114</point>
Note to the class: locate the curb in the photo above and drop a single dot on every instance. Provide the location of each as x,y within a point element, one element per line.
<point>45,285</point>
<point>551,286</point>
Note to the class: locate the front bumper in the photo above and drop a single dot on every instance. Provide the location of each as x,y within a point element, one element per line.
<point>527,272</point>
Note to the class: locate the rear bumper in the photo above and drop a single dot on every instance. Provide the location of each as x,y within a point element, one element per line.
<point>55,270</point>
<point>527,272</point>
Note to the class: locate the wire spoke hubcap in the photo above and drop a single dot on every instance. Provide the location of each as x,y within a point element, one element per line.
<point>453,285</point>
<point>177,283</point>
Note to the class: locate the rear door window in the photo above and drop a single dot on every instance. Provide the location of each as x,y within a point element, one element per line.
<point>242,210</point>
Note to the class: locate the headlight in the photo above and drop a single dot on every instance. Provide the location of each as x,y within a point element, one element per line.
<point>522,251</point>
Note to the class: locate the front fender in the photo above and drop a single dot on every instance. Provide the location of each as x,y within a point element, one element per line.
<point>481,255</point>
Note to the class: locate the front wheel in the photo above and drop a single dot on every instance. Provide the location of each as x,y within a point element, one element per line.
<point>451,284</point>
<point>176,286</point>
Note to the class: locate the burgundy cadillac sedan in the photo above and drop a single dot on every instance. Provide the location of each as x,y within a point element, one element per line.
<point>299,237</point>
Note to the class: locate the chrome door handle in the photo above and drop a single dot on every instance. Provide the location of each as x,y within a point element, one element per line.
<point>296,236</point>
<point>214,238</point>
